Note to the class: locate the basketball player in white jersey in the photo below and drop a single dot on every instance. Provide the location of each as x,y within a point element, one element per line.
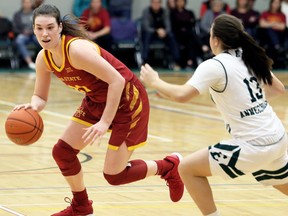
<point>240,81</point>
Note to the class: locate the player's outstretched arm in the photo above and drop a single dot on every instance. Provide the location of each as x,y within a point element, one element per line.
<point>179,93</point>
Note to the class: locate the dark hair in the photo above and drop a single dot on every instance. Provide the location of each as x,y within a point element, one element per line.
<point>246,6</point>
<point>270,6</point>
<point>185,2</point>
<point>71,24</point>
<point>230,31</point>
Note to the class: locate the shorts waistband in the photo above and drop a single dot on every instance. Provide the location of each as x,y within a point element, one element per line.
<point>269,140</point>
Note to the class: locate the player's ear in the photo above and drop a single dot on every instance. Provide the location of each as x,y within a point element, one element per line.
<point>216,41</point>
<point>60,27</point>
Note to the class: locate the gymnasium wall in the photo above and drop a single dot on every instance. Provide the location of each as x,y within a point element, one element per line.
<point>8,7</point>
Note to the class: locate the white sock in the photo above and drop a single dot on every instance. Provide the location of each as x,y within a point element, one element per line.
<point>214,214</point>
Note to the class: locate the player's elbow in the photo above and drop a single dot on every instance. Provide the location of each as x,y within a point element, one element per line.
<point>120,82</point>
<point>185,94</point>
<point>181,97</point>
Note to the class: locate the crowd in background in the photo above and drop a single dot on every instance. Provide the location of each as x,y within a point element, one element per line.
<point>171,31</point>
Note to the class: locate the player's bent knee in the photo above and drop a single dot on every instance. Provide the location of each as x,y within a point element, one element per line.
<point>66,158</point>
<point>116,179</point>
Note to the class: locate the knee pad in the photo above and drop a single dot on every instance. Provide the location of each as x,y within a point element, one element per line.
<point>116,179</point>
<point>135,172</point>
<point>66,158</point>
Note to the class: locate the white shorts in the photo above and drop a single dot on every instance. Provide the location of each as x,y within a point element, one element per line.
<point>233,158</point>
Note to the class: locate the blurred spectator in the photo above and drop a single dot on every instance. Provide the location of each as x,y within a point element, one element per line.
<point>37,3</point>
<point>183,27</point>
<point>273,24</point>
<point>7,49</point>
<point>206,5</point>
<point>97,21</point>
<point>251,3</point>
<point>6,28</point>
<point>170,5</point>
<point>120,8</point>
<point>22,26</point>
<point>156,25</point>
<point>284,9</point>
<point>249,17</point>
<point>208,18</point>
<point>80,5</point>
<point>272,31</point>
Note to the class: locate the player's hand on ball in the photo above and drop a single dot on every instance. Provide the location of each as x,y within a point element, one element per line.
<point>148,76</point>
<point>23,106</point>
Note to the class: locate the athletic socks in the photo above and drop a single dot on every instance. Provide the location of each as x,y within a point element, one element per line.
<point>163,167</point>
<point>214,214</point>
<point>81,197</point>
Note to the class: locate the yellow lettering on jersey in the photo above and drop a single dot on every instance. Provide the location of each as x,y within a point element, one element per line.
<point>80,88</point>
<point>70,79</point>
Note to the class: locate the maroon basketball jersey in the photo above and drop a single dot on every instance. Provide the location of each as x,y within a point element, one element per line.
<point>81,80</point>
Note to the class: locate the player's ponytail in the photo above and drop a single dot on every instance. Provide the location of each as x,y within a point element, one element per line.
<point>255,58</point>
<point>73,26</point>
<point>230,31</point>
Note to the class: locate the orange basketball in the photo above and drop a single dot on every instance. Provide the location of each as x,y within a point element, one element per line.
<point>24,126</point>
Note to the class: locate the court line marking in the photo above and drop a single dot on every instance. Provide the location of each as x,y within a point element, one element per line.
<point>123,191</point>
<point>182,111</point>
<point>11,211</point>
<point>232,202</point>
<point>163,139</point>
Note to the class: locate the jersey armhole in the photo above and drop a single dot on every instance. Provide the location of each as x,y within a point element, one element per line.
<point>73,39</point>
<point>226,77</point>
<point>45,55</point>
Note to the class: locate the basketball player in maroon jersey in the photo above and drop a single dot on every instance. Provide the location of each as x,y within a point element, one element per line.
<point>114,99</point>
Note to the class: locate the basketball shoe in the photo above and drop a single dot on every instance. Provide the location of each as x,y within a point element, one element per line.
<point>172,178</point>
<point>76,210</point>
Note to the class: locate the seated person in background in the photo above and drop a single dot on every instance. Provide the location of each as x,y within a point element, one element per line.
<point>208,18</point>
<point>37,3</point>
<point>97,21</point>
<point>80,5</point>
<point>156,25</point>
<point>273,24</point>
<point>120,8</point>
<point>206,5</point>
<point>248,16</point>
<point>183,27</point>
<point>6,28</point>
<point>22,27</point>
<point>170,5</point>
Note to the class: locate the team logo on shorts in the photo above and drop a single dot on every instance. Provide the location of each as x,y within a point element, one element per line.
<point>79,112</point>
<point>226,156</point>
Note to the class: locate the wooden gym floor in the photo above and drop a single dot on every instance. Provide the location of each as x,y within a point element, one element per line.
<point>30,183</point>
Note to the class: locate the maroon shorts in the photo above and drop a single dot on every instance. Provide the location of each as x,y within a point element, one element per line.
<point>130,124</point>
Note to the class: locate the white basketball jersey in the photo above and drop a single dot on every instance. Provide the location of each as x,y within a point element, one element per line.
<point>239,97</point>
